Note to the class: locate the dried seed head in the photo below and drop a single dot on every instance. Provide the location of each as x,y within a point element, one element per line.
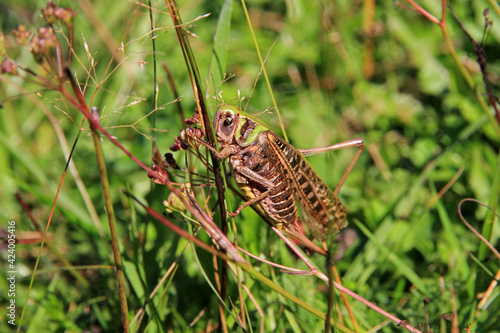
<point>179,144</point>
<point>194,120</point>
<point>21,34</point>
<point>42,42</point>
<point>48,13</point>
<point>185,139</point>
<point>170,161</point>
<point>65,15</point>
<point>199,133</point>
<point>8,66</point>
<point>160,171</point>
<point>52,13</point>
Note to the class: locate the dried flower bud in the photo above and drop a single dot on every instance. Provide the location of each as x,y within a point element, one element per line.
<point>48,13</point>
<point>179,144</point>
<point>65,15</point>
<point>42,42</point>
<point>194,120</point>
<point>174,203</point>
<point>199,133</point>
<point>161,172</point>
<point>183,135</point>
<point>52,13</point>
<point>170,161</point>
<point>8,66</point>
<point>21,34</point>
<point>156,169</point>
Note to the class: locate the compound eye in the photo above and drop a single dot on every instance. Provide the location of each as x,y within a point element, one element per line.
<point>228,121</point>
<point>227,126</point>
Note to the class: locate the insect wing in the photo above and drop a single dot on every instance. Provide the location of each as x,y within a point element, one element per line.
<point>322,211</point>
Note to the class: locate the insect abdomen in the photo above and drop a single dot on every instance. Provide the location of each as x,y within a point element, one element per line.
<point>280,203</point>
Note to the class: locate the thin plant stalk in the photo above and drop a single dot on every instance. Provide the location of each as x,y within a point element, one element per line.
<point>40,249</point>
<point>194,75</point>
<point>489,220</point>
<point>155,81</point>
<point>112,225</point>
<point>169,273</point>
<point>247,16</point>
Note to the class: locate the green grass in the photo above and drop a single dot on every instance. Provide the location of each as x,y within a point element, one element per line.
<point>423,116</point>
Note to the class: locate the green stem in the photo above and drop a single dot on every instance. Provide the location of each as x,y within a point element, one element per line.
<point>112,226</point>
<point>489,220</point>
<point>264,70</point>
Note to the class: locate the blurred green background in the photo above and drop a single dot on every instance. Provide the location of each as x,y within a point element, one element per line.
<point>339,70</point>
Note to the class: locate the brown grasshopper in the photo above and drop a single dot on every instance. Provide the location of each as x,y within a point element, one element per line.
<point>275,176</point>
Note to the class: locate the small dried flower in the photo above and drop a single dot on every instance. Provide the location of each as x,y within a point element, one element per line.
<point>194,120</point>
<point>186,139</point>
<point>65,15</point>
<point>22,34</point>
<point>179,144</point>
<point>52,13</point>
<point>48,13</point>
<point>174,203</point>
<point>49,36</point>
<point>42,42</point>
<point>162,172</point>
<point>8,66</point>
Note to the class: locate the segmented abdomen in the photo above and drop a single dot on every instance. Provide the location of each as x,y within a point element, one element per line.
<point>280,203</point>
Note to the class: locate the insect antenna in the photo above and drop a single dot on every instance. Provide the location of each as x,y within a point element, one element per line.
<point>258,75</point>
